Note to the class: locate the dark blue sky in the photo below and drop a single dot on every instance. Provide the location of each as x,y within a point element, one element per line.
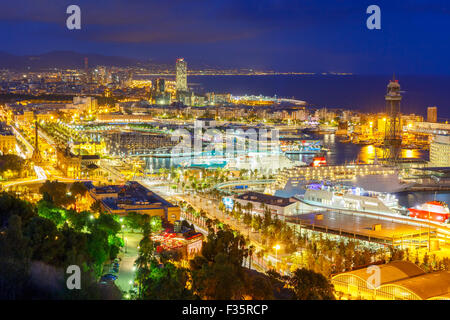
<point>285,35</point>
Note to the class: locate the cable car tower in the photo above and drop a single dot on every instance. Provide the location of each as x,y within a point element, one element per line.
<point>392,134</point>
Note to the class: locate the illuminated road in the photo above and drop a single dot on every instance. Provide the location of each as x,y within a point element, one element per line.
<point>29,147</point>
<point>126,269</point>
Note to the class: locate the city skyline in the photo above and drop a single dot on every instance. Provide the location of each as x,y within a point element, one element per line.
<point>224,150</point>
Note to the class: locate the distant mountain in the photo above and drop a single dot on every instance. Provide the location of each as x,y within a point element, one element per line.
<point>75,60</point>
<point>61,59</point>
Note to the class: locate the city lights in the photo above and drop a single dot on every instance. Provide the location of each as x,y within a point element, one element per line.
<point>214,156</point>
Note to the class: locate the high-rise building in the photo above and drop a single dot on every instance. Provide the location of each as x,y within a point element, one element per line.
<point>181,75</point>
<point>432,114</point>
<point>440,151</point>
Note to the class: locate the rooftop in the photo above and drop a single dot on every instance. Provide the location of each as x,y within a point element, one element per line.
<point>394,271</point>
<point>129,196</point>
<point>266,199</point>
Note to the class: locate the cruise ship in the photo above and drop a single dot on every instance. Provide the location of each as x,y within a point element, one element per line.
<point>431,210</point>
<point>354,199</point>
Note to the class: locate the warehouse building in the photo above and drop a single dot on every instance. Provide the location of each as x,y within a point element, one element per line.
<point>398,280</point>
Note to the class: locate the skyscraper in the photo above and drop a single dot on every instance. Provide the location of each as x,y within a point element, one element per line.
<point>432,114</point>
<point>160,85</point>
<point>181,75</point>
<point>392,136</point>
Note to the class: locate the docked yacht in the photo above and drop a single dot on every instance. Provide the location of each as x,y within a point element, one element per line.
<point>354,199</point>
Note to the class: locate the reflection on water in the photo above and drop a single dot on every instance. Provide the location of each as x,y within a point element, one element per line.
<point>341,153</point>
<point>153,164</point>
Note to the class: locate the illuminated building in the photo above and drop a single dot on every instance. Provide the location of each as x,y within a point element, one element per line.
<point>398,280</point>
<point>89,147</point>
<point>181,75</point>
<point>187,244</point>
<point>77,166</point>
<point>28,116</point>
<point>432,114</point>
<point>440,151</point>
<point>160,85</point>
<point>7,140</point>
<point>133,197</point>
<point>136,142</point>
<point>84,104</point>
<point>124,118</point>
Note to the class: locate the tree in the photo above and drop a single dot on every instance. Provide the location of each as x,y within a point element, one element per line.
<point>107,223</point>
<point>9,206</point>
<point>309,285</point>
<point>155,224</point>
<point>45,245</point>
<point>166,282</point>
<point>133,220</point>
<point>15,258</point>
<point>218,272</point>
<point>44,240</point>
<point>97,207</point>
<point>78,189</point>
<point>11,162</point>
<point>57,192</point>
<point>260,288</point>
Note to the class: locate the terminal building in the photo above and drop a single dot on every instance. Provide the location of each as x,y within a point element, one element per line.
<point>277,205</point>
<point>133,197</point>
<point>399,280</point>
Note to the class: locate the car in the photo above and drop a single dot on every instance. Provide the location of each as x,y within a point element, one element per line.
<point>108,277</point>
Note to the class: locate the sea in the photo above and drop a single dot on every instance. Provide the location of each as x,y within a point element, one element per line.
<point>355,92</point>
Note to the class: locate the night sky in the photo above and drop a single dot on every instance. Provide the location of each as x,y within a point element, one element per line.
<point>289,35</point>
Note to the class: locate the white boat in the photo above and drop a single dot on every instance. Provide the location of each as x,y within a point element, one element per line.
<point>354,199</point>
